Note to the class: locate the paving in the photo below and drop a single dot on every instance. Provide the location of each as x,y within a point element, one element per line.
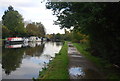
<point>79,67</point>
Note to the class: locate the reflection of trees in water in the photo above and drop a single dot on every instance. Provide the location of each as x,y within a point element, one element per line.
<point>11,59</point>
<point>58,43</point>
<point>35,51</point>
<point>52,43</point>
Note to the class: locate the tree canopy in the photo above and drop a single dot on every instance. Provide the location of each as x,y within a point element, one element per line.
<point>36,29</point>
<point>13,25</point>
<point>100,21</point>
<point>13,21</point>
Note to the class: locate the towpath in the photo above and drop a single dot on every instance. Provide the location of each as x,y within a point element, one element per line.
<point>80,67</point>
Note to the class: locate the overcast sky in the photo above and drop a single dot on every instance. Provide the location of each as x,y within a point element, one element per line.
<point>32,10</point>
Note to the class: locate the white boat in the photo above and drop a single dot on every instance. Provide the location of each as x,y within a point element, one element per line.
<point>33,38</point>
<point>25,40</point>
<point>44,39</point>
<point>14,39</point>
<point>38,39</point>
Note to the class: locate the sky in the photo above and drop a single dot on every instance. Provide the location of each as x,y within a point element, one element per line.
<point>32,10</point>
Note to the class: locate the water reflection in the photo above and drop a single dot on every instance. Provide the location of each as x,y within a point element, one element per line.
<point>76,72</point>
<point>58,43</point>
<point>24,61</point>
<point>12,58</point>
<point>13,46</point>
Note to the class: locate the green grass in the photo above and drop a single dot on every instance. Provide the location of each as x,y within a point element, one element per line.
<point>82,49</point>
<point>58,66</point>
<point>103,65</point>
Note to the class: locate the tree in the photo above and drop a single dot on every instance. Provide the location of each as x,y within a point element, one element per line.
<point>10,62</point>
<point>58,36</point>
<point>97,20</point>
<point>36,29</point>
<point>5,32</point>
<point>0,29</point>
<point>68,35</point>
<point>41,29</point>
<point>31,29</point>
<point>13,21</point>
<point>78,36</point>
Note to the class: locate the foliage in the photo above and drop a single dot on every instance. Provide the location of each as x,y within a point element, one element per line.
<point>55,37</point>
<point>36,29</point>
<point>110,72</point>
<point>13,21</point>
<point>67,35</point>
<point>12,58</point>
<point>41,29</point>
<point>0,29</point>
<point>13,25</point>
<point>77,36</point>
<point>100,21</point>
<point>11,62</point>
<point>5,32</point>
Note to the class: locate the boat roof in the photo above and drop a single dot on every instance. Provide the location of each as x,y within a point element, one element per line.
<point>14,37</point>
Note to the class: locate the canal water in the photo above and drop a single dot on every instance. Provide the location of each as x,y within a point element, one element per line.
<point>24,61</point>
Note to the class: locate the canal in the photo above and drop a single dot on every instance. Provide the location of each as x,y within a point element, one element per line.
<point>24,61</point>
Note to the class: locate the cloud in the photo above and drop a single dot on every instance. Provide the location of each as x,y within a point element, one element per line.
<point>32,10</point>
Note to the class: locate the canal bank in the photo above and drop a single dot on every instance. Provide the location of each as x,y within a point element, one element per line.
<point>98,68</point>
<point>109,70</point>
<point>57,69</point>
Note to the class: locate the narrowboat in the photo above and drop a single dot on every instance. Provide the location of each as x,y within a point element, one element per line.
<point>14,40</point>
<point>33,38</point>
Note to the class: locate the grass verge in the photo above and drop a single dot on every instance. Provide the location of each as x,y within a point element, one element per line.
<point>104,66</point>
<point>58,66</point>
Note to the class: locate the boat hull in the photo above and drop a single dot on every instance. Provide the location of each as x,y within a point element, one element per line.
<point>14,42</point>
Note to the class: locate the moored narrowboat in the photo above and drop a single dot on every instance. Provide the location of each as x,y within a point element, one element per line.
<point>14,40</point>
